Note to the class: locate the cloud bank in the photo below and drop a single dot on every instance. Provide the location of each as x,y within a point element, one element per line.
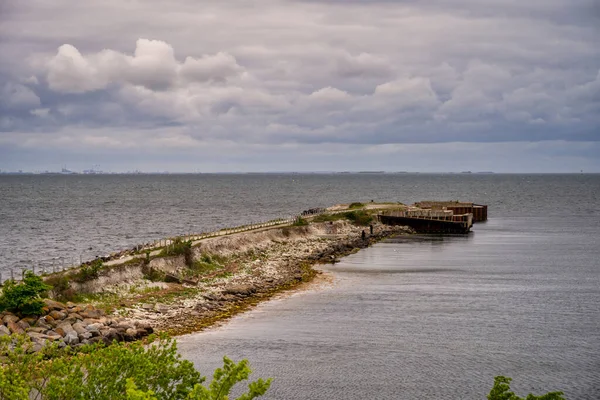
<point>186,79</point>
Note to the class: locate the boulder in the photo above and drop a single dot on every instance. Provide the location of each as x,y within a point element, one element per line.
<point>91,313</point>
<point>75,316</point>
<point>54,305</point>
<point>79,328</point>
<point>10,318</point>
<point>4,331</point>
<point>52,335</point>
<point>71,338</point>
<point>37,329</point>
<point>23,324</point>
<point>15,328</point>
<point>161,308</point>
<point>57,315</point>
<point>41,322</point>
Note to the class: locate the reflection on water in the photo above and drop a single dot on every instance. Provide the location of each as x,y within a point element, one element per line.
<point>438,317</point>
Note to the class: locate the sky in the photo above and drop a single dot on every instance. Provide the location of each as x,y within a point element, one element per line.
<point>300,85</point>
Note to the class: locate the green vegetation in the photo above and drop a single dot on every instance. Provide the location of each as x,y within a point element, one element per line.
<point>300,222</point>
<point>501,391</point>
<point>207,264</point>
<point>88,272</point>
<point>24,297</point>
<point>118,371</point>
<point>356,205</point>
<point>359,217</point>
<point>329,217</point>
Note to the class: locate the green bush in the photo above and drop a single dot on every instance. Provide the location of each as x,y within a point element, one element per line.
<point>356,205</point>
<point>179,247</point>
<point>24,297</point>
<point>501,391</point>
<point>88,272</point>
<point>300,222</point>
<point>359,217</point>
<point>119,371</point>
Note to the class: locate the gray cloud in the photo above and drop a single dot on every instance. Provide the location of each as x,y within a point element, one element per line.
<point>298,73</point>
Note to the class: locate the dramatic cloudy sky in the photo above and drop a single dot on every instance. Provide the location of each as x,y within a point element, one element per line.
<point>300,85</point>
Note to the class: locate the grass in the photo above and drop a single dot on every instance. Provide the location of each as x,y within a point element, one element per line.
<point>300,222</point>
<point>356,205</point>
<point>358,217</point>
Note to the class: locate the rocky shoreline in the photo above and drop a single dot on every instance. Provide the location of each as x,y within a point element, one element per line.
<point>282,265</point>
<point>72,325</point>
<point>216,279</point>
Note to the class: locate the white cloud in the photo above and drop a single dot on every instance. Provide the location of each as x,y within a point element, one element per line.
<point>153,66</point>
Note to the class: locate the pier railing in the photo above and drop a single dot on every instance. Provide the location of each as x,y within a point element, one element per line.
<point>61,264</point>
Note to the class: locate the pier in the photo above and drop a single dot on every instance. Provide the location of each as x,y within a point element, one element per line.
<point>437,217</point>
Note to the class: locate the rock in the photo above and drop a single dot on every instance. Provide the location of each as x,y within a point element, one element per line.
<point>94,328</point>
<point>244,290</point>
<point>41,322</point>
<point>79,328</point>
<point>130,335</point>
<point>15,328</point>
<point>53,335</point>
<point>37,329</point>
<point>90,313</point>
<point>57,315</point>
<point>54,305</point>
<point>10,318</point>
<point>75,316</point>
<point>161,308</point>
<point>65,329</point>
<point>24,325</point>
<point>110,334</point>
<point>37,337</point>
<point>84,336</point>
<point>147,307</point>
<point>29,320</point>
<point>4,331</point>
<point>71,338</point>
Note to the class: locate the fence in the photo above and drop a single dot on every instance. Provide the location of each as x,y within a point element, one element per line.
<point>60,264</point>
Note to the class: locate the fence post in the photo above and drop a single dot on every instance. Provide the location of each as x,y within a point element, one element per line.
<point>33,269</point>
<point>12,275</point>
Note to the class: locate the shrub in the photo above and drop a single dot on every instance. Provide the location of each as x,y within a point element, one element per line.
<point>359,217</point>
<point>118,371</point>
<point>501,391</point>
<point>179,248</point>
<point>300,222</point>
<point>88,272</point>
<point>24,297</point>
<point>356,205</point>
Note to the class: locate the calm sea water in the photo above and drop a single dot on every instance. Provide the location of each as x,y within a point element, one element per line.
<point>411,318</point>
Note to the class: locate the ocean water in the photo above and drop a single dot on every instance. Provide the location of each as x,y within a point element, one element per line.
<point>410,318</point>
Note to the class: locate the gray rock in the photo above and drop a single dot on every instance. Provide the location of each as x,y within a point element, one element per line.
<point>54,305</point>
<point>4,331</point>
<point>79,328</point>
<point>84,336</point>
<point>10,318</point>
<point>148,307</point>
<point>71,338</point>
<point>161,308</point>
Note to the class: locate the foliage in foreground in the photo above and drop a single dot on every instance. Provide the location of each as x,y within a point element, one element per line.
<point>24,297</point>
<point>501,391</point>
<point>119,371</point>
